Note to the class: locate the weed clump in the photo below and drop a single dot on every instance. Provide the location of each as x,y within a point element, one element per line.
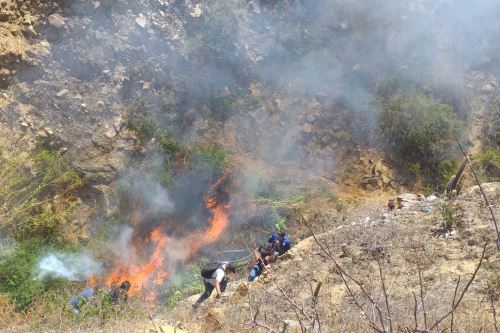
<point>38,191</point>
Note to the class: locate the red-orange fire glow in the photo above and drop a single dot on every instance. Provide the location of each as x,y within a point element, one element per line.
<point>140,276</point>
<point>152,272</point>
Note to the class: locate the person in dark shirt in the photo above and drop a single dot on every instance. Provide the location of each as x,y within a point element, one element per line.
<point>279,242</point>
<point>119,294</point>
<point>262,257</point>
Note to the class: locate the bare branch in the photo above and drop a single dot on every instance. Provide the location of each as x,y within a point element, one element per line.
<point>492,297</point>
<point>482,192</point>
<point>343,274</point>
<point>415,312</point>
<point>421,290</point>
<point>453,304</point>
<point>464,291</point>
<point>382,281</point>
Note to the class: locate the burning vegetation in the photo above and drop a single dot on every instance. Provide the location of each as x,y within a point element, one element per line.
<point>146,271</point>
<point>140,139</point>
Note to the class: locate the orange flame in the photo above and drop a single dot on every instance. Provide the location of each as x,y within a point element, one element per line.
<point>152,273</point>
<point>140,276</point>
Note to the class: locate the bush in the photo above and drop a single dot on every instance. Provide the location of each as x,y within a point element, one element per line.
<point>421,129</point>
<point>186,283</point>
<point>211,158</point>
<point>452,217</point>
<point>38,191</point>
<point>17,274</point>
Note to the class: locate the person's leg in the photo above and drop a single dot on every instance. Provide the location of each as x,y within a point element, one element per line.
<point>206,294</point>
<point>253,274</point>
<point>223,284</point>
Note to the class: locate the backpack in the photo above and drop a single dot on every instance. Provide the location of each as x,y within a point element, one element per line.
<point>208,270</point>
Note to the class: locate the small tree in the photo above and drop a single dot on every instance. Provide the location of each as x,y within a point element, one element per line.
<point>421,129</point>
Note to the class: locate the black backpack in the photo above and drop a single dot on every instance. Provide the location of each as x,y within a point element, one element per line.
<point>208,270</point>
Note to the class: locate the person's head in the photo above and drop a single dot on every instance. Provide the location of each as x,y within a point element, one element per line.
<point>281,234</point>
<point>125,285</point>
<point>227,267</point>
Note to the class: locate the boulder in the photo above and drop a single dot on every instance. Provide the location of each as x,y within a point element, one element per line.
<point>56,21</point>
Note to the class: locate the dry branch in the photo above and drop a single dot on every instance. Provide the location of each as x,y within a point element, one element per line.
<point>382,281</point>
<point>343,274</point>
<point>455,306</point>
<point>482,192</point>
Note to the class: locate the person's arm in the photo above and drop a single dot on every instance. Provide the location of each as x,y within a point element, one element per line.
<point>256,254</point>
<point>217,287</point>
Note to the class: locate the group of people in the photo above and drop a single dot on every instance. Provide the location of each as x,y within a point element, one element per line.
<point>115,295</point>
<point>216,276</point>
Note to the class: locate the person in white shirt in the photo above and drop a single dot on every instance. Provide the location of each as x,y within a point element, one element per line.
<point>218,281</point>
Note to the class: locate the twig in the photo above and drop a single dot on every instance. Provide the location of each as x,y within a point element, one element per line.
<point>421,290</point>
<point>453,304</point>
<point>415,312</point>
<point>254,317</point>
<point>463,292</point>
<point>482,192</point>
<point>382,281</point>
<point>343,274</point>
<point>493,309</point>
<point>257,229</point>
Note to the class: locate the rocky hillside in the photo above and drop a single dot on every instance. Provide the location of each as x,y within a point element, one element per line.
<point>122,121</point>
<point>435,240</point>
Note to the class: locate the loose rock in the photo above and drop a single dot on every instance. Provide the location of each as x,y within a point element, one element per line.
<point>56,20</point>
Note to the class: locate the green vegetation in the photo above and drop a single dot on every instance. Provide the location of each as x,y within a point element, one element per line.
<point>37,190</point>
<point>325,192</point>
<point>279,221</point>
<point>17,273</point>
<point>452,217</point>
<point>489,164</point>
<point>421,129</point>
<point>186,283</point>
<point>211,158</point>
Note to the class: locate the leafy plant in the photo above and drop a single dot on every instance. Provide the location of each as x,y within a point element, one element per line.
<point>421,129</point>
<point>38,190</point>
<point>452,218</point>
<point>211,158</point>
<point>17,274</point>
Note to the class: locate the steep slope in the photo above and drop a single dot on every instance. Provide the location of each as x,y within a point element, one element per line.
<point>398,244</point>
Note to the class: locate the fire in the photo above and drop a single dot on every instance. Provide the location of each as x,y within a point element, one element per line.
<point>217,222</point>
<point>152,272</point>
<point>141,276</point>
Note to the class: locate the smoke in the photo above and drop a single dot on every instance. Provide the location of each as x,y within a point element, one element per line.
<point>72,267</point>
<point>280,85</point>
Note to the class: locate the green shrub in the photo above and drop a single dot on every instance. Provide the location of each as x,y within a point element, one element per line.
<point>169,146</point>
<point>17,274</point>
<point>421,129</point>
<point>37,190</point>
<point>187,282</point>
<point>211,158</point>
<point>452,217</point>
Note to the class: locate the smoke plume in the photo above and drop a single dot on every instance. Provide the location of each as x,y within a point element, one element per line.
<point>72,267</point>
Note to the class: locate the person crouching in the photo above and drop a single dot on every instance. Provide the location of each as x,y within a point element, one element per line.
<point>217,281</point>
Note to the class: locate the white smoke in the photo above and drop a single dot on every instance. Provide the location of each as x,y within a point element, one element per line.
<point>72,267</point>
